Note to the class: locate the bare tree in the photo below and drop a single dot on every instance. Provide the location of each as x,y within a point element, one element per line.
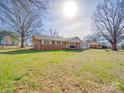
<point>93,37</point>
<point>20,18</point>
<point>42,4</point>
<point>53,32</point>
<point>109,20</point>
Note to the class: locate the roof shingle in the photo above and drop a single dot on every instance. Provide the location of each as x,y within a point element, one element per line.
<point>44,37</point>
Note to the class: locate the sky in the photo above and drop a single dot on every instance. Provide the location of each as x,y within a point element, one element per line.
<point>81,25</point>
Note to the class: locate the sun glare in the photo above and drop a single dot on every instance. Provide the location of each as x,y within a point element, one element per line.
<point>69,9</point>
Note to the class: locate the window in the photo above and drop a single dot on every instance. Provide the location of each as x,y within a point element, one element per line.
<point>46,42</point>
<point>58,42</point>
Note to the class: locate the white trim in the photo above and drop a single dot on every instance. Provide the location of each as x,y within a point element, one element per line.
<point>58,42</point>
<point>50,42</point>
<point>46,42</point>
<point>42,42</point>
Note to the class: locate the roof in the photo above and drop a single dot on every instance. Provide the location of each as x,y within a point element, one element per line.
<point>44,37</point>
<point>97,43</point>
<point>74,39</point>
<point>94,43</point>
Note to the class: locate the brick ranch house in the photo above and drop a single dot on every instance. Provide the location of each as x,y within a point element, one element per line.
<point>98,45</point>
<point>41,42</point>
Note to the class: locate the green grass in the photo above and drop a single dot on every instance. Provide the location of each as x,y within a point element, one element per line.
<point>70,71</point>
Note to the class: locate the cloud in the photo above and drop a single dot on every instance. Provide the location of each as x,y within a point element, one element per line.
<point>80,26</point>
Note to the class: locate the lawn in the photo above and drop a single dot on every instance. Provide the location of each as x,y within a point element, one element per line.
<point>86,71</point>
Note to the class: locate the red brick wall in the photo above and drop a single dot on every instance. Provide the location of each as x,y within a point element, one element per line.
<point>52,46</point>
<point>38,45</point>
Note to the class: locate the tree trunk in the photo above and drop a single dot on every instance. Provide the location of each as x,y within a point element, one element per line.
<point>22,40</point>
<point>114,46</point>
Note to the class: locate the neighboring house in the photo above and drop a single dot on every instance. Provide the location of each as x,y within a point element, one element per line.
<point>8,39</point>
<point>98,45</point>
<point>122,46</point>
<point>41,42</point>
<point>95,45</point>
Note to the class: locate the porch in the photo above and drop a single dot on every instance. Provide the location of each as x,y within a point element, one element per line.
<point>73,45</point>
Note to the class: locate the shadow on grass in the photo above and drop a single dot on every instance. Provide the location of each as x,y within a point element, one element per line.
<point>28,51</point>
<point>74,50</point>
<point>12,52</point>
